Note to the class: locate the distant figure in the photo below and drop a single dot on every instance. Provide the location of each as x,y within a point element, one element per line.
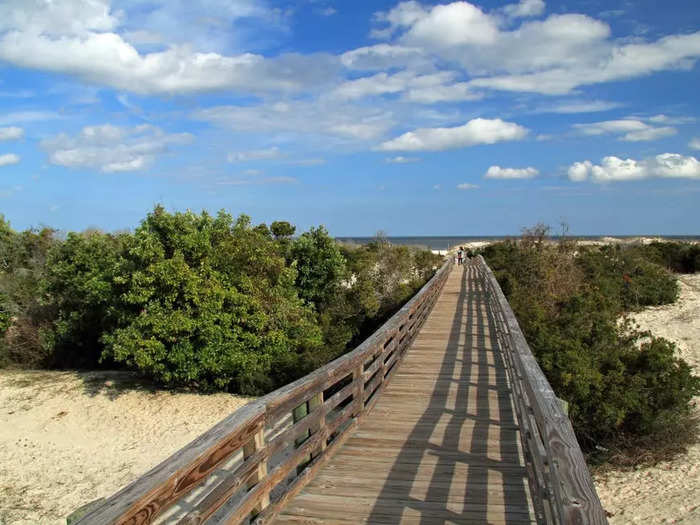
<point>460,254</point>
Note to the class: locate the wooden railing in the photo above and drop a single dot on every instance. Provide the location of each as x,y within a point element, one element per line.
<point>249,465</point>
<point>560,483</point>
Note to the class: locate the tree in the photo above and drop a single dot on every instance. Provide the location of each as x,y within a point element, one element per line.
<point>282,229</point>
<point>320,266</point>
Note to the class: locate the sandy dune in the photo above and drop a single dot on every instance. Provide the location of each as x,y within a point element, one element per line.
<point>69,438</point>
<point>670,491</point>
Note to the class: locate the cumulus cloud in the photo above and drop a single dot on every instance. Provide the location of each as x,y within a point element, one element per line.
<point>8,159</point>
<point>258,154</point>
<point>612,169</point>
<point>496,172</point>
<point>550,56</point>
<point>476,131</point>
<point>112,148</point>
<point>630,130</point>
<point>467,186</point>
<point>597,62</point>
<point>695,143</point>
<point>11,133</point>
<point>81,38</point>
<point>449,25</point>
<point>401,160</point>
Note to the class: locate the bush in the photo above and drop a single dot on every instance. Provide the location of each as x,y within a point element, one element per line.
<point>83,287</point>
<point>210,303</point>
<point>197,301</point>
<point>622,386</point>
<point>23,315</point>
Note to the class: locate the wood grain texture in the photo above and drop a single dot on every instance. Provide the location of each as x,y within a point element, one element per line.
<point>568,480</point>
<point>441,444</point>
<point>145,499</point>
<point>441,416</point>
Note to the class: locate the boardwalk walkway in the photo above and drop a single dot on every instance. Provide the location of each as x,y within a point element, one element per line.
<point>441,445</point>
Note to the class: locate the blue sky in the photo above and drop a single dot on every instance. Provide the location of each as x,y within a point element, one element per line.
<point>415,118</point>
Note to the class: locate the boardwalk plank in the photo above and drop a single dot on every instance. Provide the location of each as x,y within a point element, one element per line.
<point>441,445</point>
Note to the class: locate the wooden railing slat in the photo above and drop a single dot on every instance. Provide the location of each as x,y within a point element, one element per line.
<point>570,485</point>
<point>146,498</point>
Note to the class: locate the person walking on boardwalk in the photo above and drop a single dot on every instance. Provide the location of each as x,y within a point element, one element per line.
<point>460,253</point>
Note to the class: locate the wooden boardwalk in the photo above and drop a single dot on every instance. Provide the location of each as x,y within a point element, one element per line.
<point>442,444</point>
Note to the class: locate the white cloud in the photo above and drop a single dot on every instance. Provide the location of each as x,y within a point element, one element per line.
<point>579,106</point>
<point>650,134</point>
<point>258,154</point>
<point>525,8</point>
<point>571,65</point>
<point>611,169</point>
<point>401,160</point>
<point>694,143</point>
<point>476,131</point>
<point>384,56</point>
<point>8,159</point>
<point>11,133</point>
<point>111,148</point>
<point>80,38</point>
<point>665,119</point>
<point>467,186</point>
<point>57,18</point>
<point>551,56</point>
<point>323,118</point>
<point>579,171</point>
<point>449,25</point>
<point>630,130</point>
<point>496,172</point>
<point>253,172</point>
<point>22,117</point>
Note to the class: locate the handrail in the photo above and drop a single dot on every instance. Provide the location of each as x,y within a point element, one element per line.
<point>245,468</point>
<point>560,482</point>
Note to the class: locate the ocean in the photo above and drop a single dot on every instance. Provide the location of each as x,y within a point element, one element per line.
<point>445,242</point>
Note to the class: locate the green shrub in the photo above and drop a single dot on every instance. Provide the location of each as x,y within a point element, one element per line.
<point>622,386</point>
<point>24,315</point>
<point>210,303</point>
<point>82,286</point>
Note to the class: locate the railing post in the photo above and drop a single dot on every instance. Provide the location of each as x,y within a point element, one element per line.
<point>314,402</point>
<point>254,445</point>
<point>358,391</point>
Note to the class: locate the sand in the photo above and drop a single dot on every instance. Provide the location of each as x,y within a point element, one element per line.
<point>68,438</point>
<point>670,491</point>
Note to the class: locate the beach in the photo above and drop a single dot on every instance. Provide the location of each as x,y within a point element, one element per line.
<point>68,438</point>
<point>668,492</point>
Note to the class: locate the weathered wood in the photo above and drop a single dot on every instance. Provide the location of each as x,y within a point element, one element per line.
<point>144,499</point>
<point>572,486</point>
<point>436,444</point>
<point>225,489</point>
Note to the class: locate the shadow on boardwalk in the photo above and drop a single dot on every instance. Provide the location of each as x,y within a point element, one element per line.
<point>495,489</point>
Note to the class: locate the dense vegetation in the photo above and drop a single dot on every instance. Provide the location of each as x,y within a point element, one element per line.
<point>629,394</point>
<point>195,300</point>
